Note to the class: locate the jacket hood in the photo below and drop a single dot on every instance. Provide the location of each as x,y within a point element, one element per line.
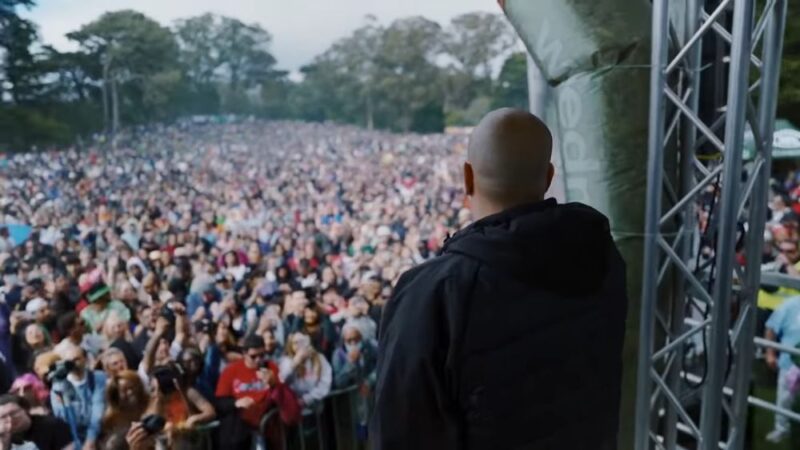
<point>563,248</point>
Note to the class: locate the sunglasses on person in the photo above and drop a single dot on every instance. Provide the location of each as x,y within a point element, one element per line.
<point>255,355</point>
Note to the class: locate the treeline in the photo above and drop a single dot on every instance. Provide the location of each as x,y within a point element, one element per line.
<point>411,75</point>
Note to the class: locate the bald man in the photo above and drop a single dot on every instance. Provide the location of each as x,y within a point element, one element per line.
<point>512,337</point>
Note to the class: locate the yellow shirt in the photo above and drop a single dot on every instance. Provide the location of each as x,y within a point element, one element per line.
<point>772,300</point>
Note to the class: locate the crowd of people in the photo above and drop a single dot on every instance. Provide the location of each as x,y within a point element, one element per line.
<point>779,307</point>
<point>188,279</point>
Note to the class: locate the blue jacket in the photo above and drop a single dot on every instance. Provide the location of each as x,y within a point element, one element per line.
<point>84,401</point>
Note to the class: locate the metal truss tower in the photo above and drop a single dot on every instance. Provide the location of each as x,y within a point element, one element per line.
<point>698,314</point>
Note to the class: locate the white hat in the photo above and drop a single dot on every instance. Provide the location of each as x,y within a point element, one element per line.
<point>35,305</point>
<point>384,231</point>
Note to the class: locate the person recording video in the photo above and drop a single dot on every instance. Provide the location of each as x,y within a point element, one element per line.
<point>181,405</point>
<point>78,397</point>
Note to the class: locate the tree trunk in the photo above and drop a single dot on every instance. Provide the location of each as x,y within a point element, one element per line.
<point>370,120</point>
<point>114,108</point>
<point>105,97</point>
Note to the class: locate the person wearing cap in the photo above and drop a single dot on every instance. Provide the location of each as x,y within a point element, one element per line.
<point>39,310</point>
<point>101,306</point>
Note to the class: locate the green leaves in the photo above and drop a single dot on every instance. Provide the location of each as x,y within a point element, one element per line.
<point>407,75</point>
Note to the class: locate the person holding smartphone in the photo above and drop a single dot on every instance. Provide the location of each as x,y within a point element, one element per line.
<point>246,390</point>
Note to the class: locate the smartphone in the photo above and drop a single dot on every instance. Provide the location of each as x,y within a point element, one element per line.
<point>153,424</point>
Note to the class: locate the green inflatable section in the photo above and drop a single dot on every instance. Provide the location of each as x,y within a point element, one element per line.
<point>596,55</point>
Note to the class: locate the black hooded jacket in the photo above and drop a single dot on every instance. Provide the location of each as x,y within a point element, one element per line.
<point>510,339</point>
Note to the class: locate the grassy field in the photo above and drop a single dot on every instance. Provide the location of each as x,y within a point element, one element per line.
<point>763,420</point>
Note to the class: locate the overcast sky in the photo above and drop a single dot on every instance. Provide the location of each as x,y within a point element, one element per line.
<point>301,29</point>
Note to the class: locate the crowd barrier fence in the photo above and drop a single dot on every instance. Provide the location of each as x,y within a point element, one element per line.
<point>334,424</point>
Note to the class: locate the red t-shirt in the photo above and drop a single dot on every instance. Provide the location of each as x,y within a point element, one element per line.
<point>239,381</point>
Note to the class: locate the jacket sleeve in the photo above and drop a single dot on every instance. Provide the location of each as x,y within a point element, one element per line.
<point>212,360</point>
<point>323,386</point>
<point>345,373</point>
<point>415,401</point>
<point>98,406</point>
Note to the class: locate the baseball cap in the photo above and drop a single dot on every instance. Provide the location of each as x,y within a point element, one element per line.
<point>97,291</point>
<point>35,305</point>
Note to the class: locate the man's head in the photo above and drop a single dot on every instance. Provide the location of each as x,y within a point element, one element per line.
<point>789,248</point>
<point>78,356</point>
<point>508,161</point>
<point>254,348</point>
<point>71,325</point>
<point>14,417</point>
<point>114,361</point>
<point>127,293</point>
<point>351,335</point>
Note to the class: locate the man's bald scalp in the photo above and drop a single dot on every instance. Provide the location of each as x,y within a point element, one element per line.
<point>510,153</point>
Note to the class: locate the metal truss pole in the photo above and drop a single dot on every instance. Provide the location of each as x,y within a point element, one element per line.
<point>719,339</point>
<point>684,241</point>
<point>680,275</point>
<point>655,171</point>
<point>772,49</point>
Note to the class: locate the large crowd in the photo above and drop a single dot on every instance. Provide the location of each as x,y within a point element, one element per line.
<point>779,307</point>
<point>189,279</point>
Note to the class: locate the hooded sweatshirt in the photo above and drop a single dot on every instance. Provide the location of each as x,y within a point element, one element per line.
<point>510,339</point>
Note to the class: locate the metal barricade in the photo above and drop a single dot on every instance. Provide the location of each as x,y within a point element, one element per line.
<point>206,438</point>
<point>344,415</point>
<point>336,424</point>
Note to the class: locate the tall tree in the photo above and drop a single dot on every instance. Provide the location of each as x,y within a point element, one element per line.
<point>135,54</point>
<point>347,71</point>
<point>199,52</point>
<point>511,88</point>
<point>475,40</point>
<point>18,77</point>
<point>227,55</point>
<point>244,53</point>
<point>410,80</point>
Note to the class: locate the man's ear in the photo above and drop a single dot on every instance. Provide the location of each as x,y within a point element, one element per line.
<point>551,172</point>
<point>469,180</point>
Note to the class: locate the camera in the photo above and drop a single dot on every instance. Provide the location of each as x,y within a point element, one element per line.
<point>167,313</point>
<point>60,370</point>
<point>204,326</point>
<point>153,423</point>
<point>167,377</point>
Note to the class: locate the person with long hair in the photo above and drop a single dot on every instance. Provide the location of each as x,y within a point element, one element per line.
<point>317,325</point>
<point>126,401</point>
<point>305,370</point>
<point>34,391</point>
<point>183,407</point>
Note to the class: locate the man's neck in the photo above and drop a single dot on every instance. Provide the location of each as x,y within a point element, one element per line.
<point>78,375</point>
<point>485,208</point>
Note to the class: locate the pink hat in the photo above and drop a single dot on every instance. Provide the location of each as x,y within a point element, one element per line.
<point>29,380</point>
